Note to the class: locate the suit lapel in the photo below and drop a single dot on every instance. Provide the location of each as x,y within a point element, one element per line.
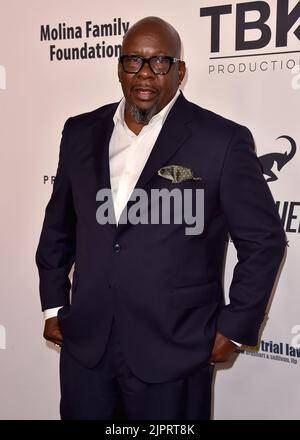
<point>173,134</point>
<point>101,135</point>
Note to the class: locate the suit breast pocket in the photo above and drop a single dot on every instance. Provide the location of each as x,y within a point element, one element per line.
<point>199,295</point>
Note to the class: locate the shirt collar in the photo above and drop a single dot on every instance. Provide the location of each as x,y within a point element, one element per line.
<point>159,117</point>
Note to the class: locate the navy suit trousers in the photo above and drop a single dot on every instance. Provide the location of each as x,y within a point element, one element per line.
<point>110,391</point>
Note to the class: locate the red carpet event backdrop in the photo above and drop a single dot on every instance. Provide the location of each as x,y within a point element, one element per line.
<point>59,59</point>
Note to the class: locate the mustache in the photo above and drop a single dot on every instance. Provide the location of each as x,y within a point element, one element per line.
<point>145,87</point>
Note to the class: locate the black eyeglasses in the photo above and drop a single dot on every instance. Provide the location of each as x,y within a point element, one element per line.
<point>159,65</point>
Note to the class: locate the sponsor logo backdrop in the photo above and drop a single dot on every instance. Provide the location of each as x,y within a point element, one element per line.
<point>60,59</point>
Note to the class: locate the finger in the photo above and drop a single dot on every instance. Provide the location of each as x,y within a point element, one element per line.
<point>54,340</point>
<point>55,335</point>
<point>58,337</point>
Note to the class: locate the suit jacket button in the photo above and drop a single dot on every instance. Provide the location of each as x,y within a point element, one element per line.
<point>117,247</point>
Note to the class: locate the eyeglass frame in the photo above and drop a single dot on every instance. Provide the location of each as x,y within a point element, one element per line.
<point>172,60</point>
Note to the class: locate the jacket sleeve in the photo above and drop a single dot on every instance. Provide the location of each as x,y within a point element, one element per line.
<point>56,249</point>
<point>258,236</point>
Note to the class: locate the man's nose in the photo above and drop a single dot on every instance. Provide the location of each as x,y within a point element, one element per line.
<point>145,71</point>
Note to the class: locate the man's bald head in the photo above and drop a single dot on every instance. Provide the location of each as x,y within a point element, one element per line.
<point>155,26</point>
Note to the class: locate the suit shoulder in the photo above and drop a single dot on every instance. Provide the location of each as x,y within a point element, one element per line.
<point>217,123</point>
<point>88,119</point>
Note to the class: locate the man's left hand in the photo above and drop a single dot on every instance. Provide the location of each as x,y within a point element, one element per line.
<point>223,349</point>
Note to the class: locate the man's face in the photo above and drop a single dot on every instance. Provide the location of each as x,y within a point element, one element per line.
<point>144,90</point>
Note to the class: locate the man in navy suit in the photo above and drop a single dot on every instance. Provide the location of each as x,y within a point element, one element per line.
<point>146,321</point>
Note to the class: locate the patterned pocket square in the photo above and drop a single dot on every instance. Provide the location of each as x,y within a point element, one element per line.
<point>177,173</point>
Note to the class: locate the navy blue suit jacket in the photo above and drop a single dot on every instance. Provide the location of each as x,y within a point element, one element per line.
<point>163,287</point>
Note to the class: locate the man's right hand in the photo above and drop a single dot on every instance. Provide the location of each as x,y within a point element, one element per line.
<point>52,330</point>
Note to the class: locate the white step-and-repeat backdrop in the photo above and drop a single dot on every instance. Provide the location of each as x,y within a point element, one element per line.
<point>58,59</point>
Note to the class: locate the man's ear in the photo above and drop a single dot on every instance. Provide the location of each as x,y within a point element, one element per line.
<point>181,70</point>
<point>119,70</point>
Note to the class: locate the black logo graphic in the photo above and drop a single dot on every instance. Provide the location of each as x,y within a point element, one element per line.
<point>281,159</point>
<point>286,18</point>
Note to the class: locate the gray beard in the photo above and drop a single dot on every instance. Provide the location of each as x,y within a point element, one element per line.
<point>142,116</point>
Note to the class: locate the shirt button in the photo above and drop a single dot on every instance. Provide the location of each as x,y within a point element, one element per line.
<point>117,247</point>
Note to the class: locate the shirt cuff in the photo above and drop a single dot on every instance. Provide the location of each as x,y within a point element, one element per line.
<point>50,313</point>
